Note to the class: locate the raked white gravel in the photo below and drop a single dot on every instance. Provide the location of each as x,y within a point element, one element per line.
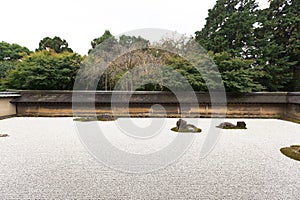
<point>43,158</point>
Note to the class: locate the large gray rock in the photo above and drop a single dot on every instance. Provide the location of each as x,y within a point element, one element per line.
<point>228,125</point>
<point>183,126</point>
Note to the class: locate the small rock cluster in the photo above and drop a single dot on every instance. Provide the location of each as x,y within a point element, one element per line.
<point>104,117</point>
<point>3,135</point>
<point>183,126</point>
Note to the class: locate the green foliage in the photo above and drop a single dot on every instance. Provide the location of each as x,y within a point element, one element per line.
<point>150,66</point>
<point>238,74</point>
<point>106,35</point>
<point>229,27</point>
<point>278,45</point>
<point>56,44</point>
<point>5,66</point>
<point>127,41</point>
<point>44,70</point>
<point>188,72</point>
<point>229,36</point>
<point>269,39</point>
<point>152,70</point>
<point>12,52</point>
<point>10,55</point>
<point>254,50</point>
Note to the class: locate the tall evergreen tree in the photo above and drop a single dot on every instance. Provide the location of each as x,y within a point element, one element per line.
<point>99,40</point>
<point>57,44</point>
<point>229,27</point>
<point>278,45</point>
<point>229,34</point>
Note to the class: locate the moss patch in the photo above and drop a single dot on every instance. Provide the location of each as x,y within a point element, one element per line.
<point>292,152</point>
<point>91,119</point>
<point>175,129</point>
<point>295,146</point>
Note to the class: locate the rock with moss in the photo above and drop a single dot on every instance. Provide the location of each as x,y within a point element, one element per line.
<point>228,125</point>
<point>103,117</point>
<point>106,117</point>
<point>292,152</point>
<point>184,127</point>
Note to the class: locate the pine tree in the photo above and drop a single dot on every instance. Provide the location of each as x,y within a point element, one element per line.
<point>229,27</point>
<point>229,34</point>
<point>278,45</point>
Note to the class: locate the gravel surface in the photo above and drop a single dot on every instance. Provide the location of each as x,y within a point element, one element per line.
<point>43,158</point>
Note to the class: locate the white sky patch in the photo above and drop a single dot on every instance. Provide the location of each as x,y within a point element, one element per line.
<point>80,21</point>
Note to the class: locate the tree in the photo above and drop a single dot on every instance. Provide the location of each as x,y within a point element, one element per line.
<point>106,47</point>
<point>10,55</point>
<point>106,35</point>
<point>145,66</point>
<point>229,36</point>
<point>5,66</point>
<point>149,67</point>
<point>238,74</point>
<point>278,40</point>
<point>44,70</point>
<point>127,41</point>
<point>56,43</point>
<point>269,39</point>
<point>12,52</point>
<point>229,27</point>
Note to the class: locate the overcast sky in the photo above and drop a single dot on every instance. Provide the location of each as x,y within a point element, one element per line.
<point>26,22</point>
